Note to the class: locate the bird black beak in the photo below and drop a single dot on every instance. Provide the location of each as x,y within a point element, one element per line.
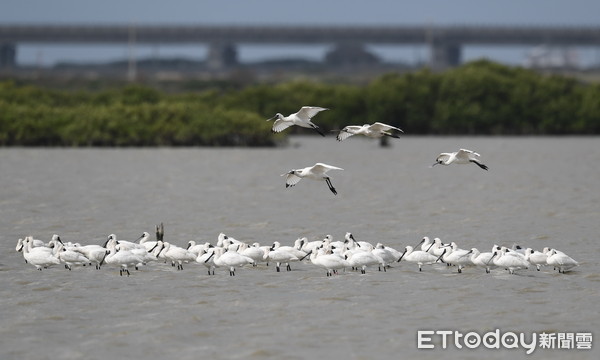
<point>490,260</point>
<point>429,247</point>
<point>308,253</point>
<point>401,256</point>
<point>422,241</point>
<point>440,258</point>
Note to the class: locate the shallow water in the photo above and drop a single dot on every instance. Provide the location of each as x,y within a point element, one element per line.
<point>538,192</point>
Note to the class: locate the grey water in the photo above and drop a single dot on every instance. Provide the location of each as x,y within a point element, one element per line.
<point>538,192</point>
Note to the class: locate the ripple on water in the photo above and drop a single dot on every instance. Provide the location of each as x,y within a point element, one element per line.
<point>335,299</point>
<point>23,282</point>
<point>28,303</point>
<point>43,288</point>
<point>537,289</point>
<point>261,353</point>
<point>592,277</point>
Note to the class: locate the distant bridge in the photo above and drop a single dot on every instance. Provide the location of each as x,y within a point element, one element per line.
<point>446,42</point>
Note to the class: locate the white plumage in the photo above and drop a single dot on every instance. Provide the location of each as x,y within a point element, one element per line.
<point>374,131</point>
<point>418,256</point>
<point>300,118</point>
<point>316,172</point>
<point>462,156</point>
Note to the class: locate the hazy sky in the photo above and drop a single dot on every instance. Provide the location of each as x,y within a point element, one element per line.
<point>336,12</point>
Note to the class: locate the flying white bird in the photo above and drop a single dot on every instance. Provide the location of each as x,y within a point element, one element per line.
<point>462,156</point>
<point>301,118</point>
<point>374,131</point>
<point>315,172</point>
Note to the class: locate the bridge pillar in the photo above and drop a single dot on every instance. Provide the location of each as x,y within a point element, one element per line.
<point>221,56</point>
<point>8,55</point>
<point>445,55</point>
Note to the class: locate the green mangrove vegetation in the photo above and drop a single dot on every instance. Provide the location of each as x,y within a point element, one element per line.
<point>479,98</point>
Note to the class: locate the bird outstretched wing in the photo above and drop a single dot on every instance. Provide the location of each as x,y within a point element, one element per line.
<point>471,155</point>
<point>291,179</point>
<point>323,168</point>
<point>280,125</point>
<point>346,132</point>
<point>307,112</point>
<point>384,127</point>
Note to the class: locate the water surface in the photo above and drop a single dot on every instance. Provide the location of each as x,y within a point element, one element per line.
<point>538,192</point>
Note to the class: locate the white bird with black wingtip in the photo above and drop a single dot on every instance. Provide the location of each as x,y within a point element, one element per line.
<point>316,172</point>
<point>300,118</point>
<point>374,131</point>
<point>462,156</point>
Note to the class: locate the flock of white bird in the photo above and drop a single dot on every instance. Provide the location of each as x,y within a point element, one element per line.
<point>332,256</point>
<point>319,171</point>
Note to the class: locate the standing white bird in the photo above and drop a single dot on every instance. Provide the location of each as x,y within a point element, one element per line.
<point>70,257</point>
<point>40,257</point>
<point>418,256</point>
<point>206,258</point>
<point>386,254</point>
<point>177,255</point>
<point>509,260</point>
<point>197,248</point>
<point>254,252</point>
<point>301,118</point>
<point>229,259</point>
<point>462,156</point>
<point>436,248</point>
<point>561,260</point>
<point>122,258</point>
<point>279,256</point>
<point>536,258</point>
<point>482,259</point>
<point>94,253</point>
<point>316,172</point>
<point>293,250</point>
<point>363,259</point>
<point>328,261</point>
<point>456,256</point>
<point>374,131</point>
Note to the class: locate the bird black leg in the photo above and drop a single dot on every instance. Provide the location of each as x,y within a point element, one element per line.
<point>484,167</point>
<point>330,185</point>
<point>319,131</point>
